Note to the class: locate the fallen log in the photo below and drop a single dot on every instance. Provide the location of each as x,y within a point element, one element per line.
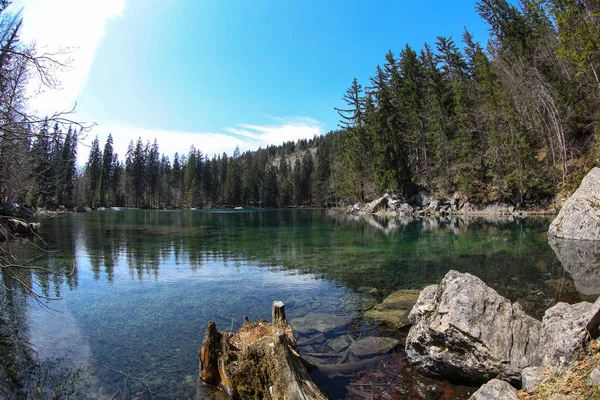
<point>260,361</point>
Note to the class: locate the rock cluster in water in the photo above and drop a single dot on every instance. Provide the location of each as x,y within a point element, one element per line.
<point>463,329</point>
<point>422,204</point>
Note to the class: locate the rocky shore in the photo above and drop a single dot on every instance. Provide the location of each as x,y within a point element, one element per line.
<point>424,205</point>
<point>462,330</point>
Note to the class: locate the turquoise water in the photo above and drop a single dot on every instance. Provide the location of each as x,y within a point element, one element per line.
<point>140,286</point>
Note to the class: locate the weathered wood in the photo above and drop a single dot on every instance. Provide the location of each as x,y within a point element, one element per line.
<point>278,314</point>
<point>209,355</point>
<point>260,361</point>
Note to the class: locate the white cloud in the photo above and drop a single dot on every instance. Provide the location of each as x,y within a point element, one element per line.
<point>74,25</point>
<point>246,136</point>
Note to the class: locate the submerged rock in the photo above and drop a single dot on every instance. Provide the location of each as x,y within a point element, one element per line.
<point>495,390</point>
<point>373,346</point>
<point>579,218</point>
<point>323,323</point>
<point>464,330</point>
<point>394,310</point>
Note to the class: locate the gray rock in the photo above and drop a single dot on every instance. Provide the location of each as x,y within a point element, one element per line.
<point>579,218</point>
<point>81,209</point>
<point>404,210</point>
<point>323,323</point>
<point>531,377</point>
<point>372,346</point>
<point>495,390</point>
<point>421,199</point>
<point>566,329</point>
<point>340,343</point>
<point>594,379</point>
<point>464,329</point>
<point>581,259</point>
<point>434,205</point>
<point>381,205</point>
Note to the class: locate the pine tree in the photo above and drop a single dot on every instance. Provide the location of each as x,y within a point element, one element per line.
<point>93,171</point>
<point>107,173</point>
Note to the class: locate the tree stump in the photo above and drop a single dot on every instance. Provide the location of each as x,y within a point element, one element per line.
<point>260,361</point>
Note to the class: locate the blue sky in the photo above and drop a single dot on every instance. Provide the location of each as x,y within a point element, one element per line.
<point>218,74</point>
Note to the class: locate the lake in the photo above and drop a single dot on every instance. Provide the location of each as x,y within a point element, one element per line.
<point>139,287</point>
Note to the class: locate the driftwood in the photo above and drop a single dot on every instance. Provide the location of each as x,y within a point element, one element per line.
<point>260,361</point>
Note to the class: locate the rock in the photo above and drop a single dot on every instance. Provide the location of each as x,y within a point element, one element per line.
<point>340,343</point>
<point>495,390</point>
<point>581,259</point>
<point>421,199</point>
<point>404,210</point>
<point>434,205</point>
<point>373,346</point>
<point>358,302</point>
<point>531,377</point>
<point>11,209</point>
<point>561,396</point>
<point>579,218</point>
<point>323,323</point>
<point>34,227</point>
<point>395,308</point>
<point>354,209</point>
<point>464,330</point>
<point>382,204</point>
<point>594,379</point>
<point>467,208</point>
<point>81,209</point>
<point>19,227</point>
<point>566,328</point>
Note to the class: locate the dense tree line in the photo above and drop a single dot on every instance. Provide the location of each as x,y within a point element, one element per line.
<point>277,176</point>
<point>513,121</point>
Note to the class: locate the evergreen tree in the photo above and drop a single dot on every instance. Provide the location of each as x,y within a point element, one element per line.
<point>93,171</point>
<point>107,172</point>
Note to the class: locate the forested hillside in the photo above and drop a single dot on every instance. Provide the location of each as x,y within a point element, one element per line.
<point>514,120</point>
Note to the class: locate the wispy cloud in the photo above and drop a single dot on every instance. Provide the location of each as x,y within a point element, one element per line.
<point>244,136</point>
<point>74,27</point>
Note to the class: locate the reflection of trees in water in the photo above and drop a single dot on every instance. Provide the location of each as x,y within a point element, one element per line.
<point>511,255</point>
<point>22,373</point>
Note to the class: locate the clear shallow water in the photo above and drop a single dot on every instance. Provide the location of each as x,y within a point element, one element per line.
<point>136,301</point>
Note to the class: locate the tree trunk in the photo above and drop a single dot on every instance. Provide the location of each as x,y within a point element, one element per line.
<point>260,361</point>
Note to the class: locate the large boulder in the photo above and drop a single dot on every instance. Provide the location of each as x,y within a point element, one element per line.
<point>566,329</point>
<point>464,330</point>
<point>579,218</point>
<point>384,204</point>
<point>581,259</point>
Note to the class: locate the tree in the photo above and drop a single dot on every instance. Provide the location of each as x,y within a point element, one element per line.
<point>352,116</point>
<point>578,23</point>
<point>107,172</point>
<point>93,170</point>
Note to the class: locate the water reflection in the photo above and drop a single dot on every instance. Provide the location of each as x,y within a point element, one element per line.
<point>581,259</point>
<point>140,286</point>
